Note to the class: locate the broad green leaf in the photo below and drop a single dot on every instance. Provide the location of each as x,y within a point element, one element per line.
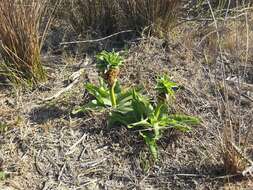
<point>121,119</point>
<point>184,119</point>
<point>117,88</point>
<point>166,86</point>
<point>142,123</point>
<point>157,130</point>
<point>124,97</point>
<point>141,105</point>
<point>106,102</point>
<point>183,128</point>
<point>91,106</point>
<point>108,60</point>
<point>124,108</point>
<point>97,91</point>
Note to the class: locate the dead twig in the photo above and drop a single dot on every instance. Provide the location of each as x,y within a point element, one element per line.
<point>96,40</point>
<point>94,163</point>
<point>38,169</point>
<point>244,86</point>
<point>73,147</point>
<point>248,171</point>
<point>61,171</point>
<point>74,77</point>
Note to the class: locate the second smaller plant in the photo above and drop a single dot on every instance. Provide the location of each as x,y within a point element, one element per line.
<point>152,119</point>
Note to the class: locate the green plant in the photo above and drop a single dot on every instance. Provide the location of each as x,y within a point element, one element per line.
<point>165,87</point>
<point>2,175</point>
<point>102,98</point>
<point>145,163</point>
<point>130,107</point>
<point>3,127</point>
<point>108,60</point>
<point>108,94</point>
<point>151,120</point>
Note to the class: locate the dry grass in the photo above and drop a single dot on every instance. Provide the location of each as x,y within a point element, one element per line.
<point>223,49</point>
<point>102,17</point>
<point>20,40</point>
<point>157,14</point>
<point>98,17</point>
<point>232,57</point>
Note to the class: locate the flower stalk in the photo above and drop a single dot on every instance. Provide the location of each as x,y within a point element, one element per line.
<point>108,64</point>
<point>112,95</point>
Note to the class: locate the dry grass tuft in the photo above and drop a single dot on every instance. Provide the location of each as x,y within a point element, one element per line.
<point>220,55</point>
<point>233,159</point>
<point>142,13</point>
<point>98,16</point>
<point>20,40</point>
<point>102,17</point>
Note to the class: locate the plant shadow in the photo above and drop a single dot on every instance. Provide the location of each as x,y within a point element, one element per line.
<point>41,115</point>
<point>128,142</point>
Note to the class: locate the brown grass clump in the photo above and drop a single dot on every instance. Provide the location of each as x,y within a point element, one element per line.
<point>20,40</point>
<point>220,57</point>
<point>97,16</point>
<point>142,13</point>
<point>233,159</point>
<point>100,17</point>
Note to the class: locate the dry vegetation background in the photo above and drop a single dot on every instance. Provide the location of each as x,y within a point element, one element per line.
<point>204,45</point>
